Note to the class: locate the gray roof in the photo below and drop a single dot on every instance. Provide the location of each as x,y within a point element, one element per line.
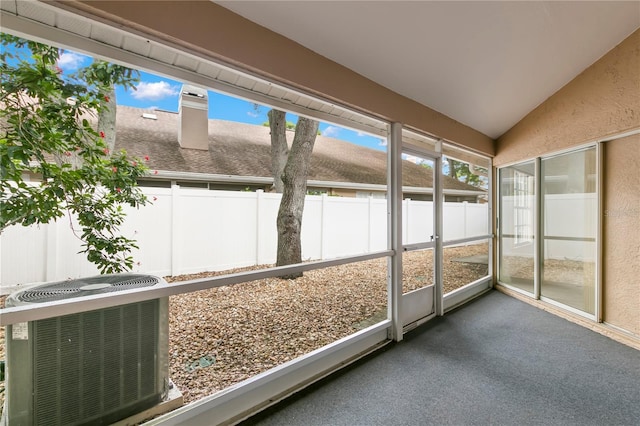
<point>241,149</point>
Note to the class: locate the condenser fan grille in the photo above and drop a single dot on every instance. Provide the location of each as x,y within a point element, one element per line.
<point>101,284</point>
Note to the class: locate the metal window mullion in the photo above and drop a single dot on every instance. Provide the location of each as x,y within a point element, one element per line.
<point>466,240</point>
<point>418,246</point>
<point>490,225</point>
<point>88,303</point>
<point>438,222</point>
<point>538,253</point>
<point>394,203</point>
<point>498,224</point>
<point>578,239</point>
<point>599,308</point>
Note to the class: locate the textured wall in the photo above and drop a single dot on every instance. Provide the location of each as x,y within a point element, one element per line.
<point>603,100</point>
<point>622,233</point>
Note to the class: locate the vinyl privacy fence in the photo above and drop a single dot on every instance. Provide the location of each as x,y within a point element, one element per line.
<point>193,230</point>
<point>570,224</point>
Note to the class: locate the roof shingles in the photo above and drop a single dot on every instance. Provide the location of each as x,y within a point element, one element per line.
<point>240,149</point>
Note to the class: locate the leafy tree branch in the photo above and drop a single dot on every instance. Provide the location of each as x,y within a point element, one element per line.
<point>50,130</point>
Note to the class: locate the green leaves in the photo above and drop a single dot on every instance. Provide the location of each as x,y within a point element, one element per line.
<point>48,135</point>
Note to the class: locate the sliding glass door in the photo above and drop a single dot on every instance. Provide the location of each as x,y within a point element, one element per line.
<point>548,226</point>
<point>517,225</point>
<point>569,227</point>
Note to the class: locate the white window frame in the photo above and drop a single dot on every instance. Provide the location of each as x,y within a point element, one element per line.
<point>524,213</point>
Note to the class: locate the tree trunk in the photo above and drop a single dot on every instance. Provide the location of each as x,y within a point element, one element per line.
<point>452,168</point>
<point>279,147</point>
<point>107,119</point>
<point>294,179</point>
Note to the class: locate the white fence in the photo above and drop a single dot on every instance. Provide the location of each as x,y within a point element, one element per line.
<point>570,227</point>
<point>192,230</point>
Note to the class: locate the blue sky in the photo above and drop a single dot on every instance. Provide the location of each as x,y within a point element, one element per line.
<point>156,92</point>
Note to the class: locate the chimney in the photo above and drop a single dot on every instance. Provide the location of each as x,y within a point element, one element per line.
<point>193,130</point>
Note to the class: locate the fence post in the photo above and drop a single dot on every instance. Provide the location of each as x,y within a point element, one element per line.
<point>175,230</point>
<point>323,206</point>
<point>465,218</point>
<point>405,220</point>
<point>50,253</point>
<point>370,223</point>
<point>259,194</point>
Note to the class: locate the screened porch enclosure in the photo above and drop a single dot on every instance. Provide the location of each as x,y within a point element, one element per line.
<point>400,314</point>
<point>239,337</point>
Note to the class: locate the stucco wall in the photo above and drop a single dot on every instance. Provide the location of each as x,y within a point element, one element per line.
<point>621,220</point>
<point>216,32</point>
<point>603,100</point>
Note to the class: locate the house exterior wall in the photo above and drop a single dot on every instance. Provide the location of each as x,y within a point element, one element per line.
<point>622,233</point>
<point>602,101</point>
<point>213,31</point>
<point>338,192</point>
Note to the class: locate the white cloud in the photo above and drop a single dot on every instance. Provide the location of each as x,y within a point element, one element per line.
<point>411,158</point>
<point>331,132</point>
<point>71,61</point>
<point>361,134</point>
<point>154,91</point>
<point>253,114</point>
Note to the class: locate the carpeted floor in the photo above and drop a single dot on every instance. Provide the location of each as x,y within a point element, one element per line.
<point>496,361</point>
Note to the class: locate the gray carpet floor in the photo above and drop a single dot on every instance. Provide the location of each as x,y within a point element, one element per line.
<point>495,361</point>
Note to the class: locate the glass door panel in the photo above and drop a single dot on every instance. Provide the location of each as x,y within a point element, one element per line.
<point>569,226</point>
<point>516,226</point>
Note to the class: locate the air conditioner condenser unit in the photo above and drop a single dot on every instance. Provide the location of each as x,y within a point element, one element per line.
<point>94,367</point>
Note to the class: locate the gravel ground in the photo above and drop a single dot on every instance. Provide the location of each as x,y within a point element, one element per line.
<point>221,336</point>
<point>566,271</point>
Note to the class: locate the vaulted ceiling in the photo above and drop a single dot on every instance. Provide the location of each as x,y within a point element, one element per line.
<point>484,64</point>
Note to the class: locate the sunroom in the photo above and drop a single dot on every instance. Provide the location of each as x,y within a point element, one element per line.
<point>541,99</point>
